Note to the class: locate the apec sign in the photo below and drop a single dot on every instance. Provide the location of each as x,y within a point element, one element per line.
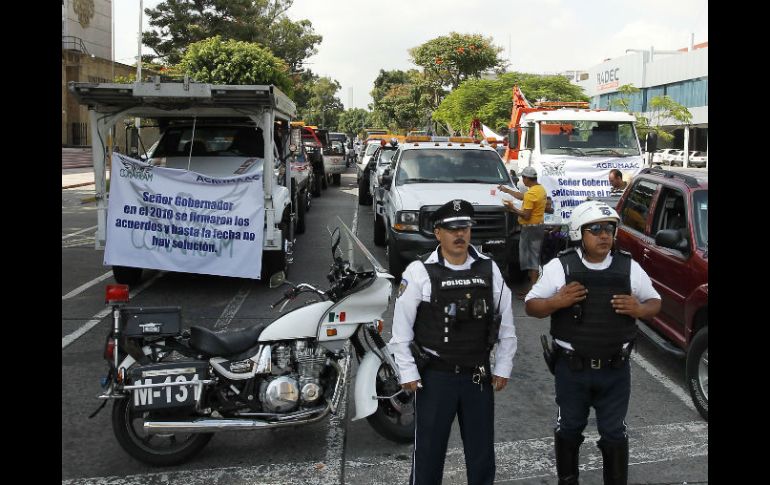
<point>609,79</point>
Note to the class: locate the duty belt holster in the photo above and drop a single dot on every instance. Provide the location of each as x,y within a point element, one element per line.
<point>421,358</point>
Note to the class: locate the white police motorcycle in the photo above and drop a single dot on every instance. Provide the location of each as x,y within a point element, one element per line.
<point>172,389</point>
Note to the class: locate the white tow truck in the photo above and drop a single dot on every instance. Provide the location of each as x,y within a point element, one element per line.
<point>572,148</point>
<point>208,198</point>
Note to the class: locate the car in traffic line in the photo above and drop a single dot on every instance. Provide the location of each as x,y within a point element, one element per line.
<point>425,174</point>
<point>334,161</point>
<point>380,161</point>
<point>664,225</point>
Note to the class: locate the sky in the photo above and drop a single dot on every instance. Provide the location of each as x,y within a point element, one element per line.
<point>360,37</point>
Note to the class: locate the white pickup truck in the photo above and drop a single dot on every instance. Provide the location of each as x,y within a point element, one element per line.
<point>183,204</point>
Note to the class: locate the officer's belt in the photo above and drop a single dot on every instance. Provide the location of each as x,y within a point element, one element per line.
<point>578,362</point>
<point>435,363</point>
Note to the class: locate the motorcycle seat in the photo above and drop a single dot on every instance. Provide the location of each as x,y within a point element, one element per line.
<point>224,344</point>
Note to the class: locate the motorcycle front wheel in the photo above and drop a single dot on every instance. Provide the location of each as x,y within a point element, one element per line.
<point>394,418</point>
<point>165,449</point>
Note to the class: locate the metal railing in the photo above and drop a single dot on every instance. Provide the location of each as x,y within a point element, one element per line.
<point>74,43</point>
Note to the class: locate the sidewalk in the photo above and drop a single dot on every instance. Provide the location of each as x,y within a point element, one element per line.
<point>76,177</point>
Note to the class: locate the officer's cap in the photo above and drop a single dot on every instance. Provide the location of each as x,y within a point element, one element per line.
<point>454,214</point>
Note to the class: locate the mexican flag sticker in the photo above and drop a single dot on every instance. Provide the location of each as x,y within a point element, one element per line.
<point>336,317</point>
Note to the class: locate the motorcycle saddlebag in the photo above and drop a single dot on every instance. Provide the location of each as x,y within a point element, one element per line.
<point>151,321</point>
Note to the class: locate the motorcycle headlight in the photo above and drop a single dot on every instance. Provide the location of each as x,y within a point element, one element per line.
<point>407,221</point>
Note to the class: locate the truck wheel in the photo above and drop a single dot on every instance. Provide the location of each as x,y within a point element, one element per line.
<point>126,275</point>
<point>364,197</point>
<point>301,208</point>
<point>698,371</point>
<point>337,179</point>
<point>379,230</point>
<point>395,263</point>
<point>318,183</point>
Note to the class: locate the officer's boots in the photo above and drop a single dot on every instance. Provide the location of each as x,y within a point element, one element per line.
<point>615,458</point>
<point>567,453</point>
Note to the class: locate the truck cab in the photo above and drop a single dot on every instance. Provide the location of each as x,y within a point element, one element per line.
<point>572,148</point>
<point>425,174</point>
<point>212,136</point>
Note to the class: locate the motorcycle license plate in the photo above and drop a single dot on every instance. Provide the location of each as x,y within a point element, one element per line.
<point>176,394</point>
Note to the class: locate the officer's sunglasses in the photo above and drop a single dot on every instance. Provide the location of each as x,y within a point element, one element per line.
<point>597,228</point>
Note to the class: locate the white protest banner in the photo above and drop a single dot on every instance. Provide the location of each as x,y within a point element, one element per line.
<point>570,180</point>
<point>177,220</point>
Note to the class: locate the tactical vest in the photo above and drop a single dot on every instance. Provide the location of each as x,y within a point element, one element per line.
<point>593,327</point>
<point>457,320</point>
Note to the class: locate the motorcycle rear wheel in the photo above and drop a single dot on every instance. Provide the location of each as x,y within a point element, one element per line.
<point>156,450</point>
<point>394,418</point>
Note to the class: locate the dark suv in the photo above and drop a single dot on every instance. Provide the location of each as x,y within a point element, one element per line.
<point>664,225</point>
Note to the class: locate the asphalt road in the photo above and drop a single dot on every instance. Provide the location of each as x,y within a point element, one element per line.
<point>669,440</point>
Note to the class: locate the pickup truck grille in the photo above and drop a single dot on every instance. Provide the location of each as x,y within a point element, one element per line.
<point>492,222</point>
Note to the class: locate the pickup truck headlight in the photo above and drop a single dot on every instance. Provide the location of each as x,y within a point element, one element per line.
<point>407,221</point>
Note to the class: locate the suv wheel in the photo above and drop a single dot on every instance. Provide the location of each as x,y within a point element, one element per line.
<point>395,263</point>
<point>364,197</point>
<point>698,371</point>
<point>379,230</point>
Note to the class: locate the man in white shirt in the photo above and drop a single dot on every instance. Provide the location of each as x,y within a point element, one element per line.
<point>452,307</point>
<point>594,296</point>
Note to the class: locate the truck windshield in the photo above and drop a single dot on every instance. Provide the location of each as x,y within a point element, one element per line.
<point>588,138</point>
<point>451,166</point>
<point>210,141</point>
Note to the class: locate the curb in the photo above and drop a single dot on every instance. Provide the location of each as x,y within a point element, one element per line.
<point>77,185</point>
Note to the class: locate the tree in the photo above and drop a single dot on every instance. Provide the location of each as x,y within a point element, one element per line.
<point>397,100</point>
<point>449,60</point>
<point>662,110</point>
<point>234,62</point>
<point>178,23</point>
<point>323,106</point>
<point>491,100</point>
<point>353,121</point>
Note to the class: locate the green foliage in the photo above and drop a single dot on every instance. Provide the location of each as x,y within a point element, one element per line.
<point>449,60</point>
<point>398,98</point>
<point>323,107</point>
<point>353,121</point>
<point>662,109</point>
<point>234,62</point>
<point>179,23</point>
<point>491,100</point>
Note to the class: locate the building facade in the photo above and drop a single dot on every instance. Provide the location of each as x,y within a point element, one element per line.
<point>682,75</point>
<point>86,56</point>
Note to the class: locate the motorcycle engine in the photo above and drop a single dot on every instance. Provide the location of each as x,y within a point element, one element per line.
<point>298,383</point>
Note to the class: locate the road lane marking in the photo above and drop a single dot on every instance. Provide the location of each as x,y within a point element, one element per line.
<point>68,339</point>
<point>665,381</point>
<point>232,308</point>
<point>78,232</point>
<point>86,286</point>
<point>515,460</point>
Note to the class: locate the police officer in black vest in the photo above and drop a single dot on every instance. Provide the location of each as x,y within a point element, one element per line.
<point>594,296</point>
<point>452,307</point>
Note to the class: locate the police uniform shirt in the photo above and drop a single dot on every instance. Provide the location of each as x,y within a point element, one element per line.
<point>415,288</point>
<point>553,278</point>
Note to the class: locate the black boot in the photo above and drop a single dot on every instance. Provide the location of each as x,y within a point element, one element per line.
<point>567,452</point>
<point>615,458</point>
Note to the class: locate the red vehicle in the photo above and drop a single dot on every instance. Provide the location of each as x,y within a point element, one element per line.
<point>664,225</point>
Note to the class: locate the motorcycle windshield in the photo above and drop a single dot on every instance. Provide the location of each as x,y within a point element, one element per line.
<point>360,259</point>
